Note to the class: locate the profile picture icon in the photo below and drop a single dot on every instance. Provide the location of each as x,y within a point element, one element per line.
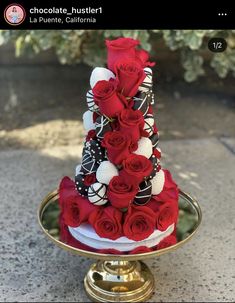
<point>14,14</point>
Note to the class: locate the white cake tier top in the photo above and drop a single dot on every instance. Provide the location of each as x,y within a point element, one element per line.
<point>86,234</point>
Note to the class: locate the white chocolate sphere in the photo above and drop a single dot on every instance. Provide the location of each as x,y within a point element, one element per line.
<point>145,147</point>
<point>97,194</point>
<point>100,73</point>
<point>158,182</point>
<point>106,171</point>
<point>88,120</point>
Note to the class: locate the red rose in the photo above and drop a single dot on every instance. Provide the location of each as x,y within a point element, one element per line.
<point>110,103</point>
<point>126,48</point>
<point>111,251</point>
<point>143,57</point>
<point>133,146</point>
<point>118,146</point>
<point>140,250</point>
<point>89,179</point>
<point>168,241</point>
<point>131,122</point>
<point>153,205</point>
<point>119,48</point>
<point>170,192</point>
<point>121,193</point>
<point>66,190</point>
<point>130,75</point>
<point>139,222</point>
<point>77,210</point>
<point>136,168</point>
<point>107,222</point>
<point>91,135</point>
<point>167,214</point>
<point>95,116</point>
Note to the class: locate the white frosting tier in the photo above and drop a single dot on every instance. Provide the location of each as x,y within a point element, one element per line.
<point>86,234</point>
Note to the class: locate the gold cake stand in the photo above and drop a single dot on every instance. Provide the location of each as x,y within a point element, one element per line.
<point>120,278</point>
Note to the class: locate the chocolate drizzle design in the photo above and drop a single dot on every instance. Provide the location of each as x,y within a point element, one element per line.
<point>149,124</point>
<point>81,187</point>
<point>147,84</point>
<point>144,194</point>
<point>90,102</point>
<point>155,139</point>
<point>88,165</point>
<point>102,125</point>
<point>95,196</point>
<point>96,151</point>
<point>154,161</point>
<point>141,102</point>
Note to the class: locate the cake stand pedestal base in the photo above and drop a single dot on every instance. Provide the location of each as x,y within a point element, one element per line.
<point>119,281</point>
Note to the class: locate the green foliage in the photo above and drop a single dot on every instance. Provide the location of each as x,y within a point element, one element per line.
<point>74,46</point>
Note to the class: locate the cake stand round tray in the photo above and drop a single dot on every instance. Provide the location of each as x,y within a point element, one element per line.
<point>120,278</point>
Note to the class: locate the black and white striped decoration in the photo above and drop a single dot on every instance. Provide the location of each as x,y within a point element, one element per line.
<point>144,194</point>
<point>147,84</point>
<point>88,165</point>
<point>149,124</point>
<point>102,125</point>
<point>155,139</point>
<point>141,102</point>
<point>154,161</point>
<point>81,187</point>
<point>96,151</point>
<point>90,102</point>
<point>97,194</point>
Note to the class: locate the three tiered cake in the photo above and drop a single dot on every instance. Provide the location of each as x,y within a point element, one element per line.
<point>121,201</point>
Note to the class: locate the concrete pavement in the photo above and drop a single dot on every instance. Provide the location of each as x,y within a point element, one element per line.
<point>34,269</point>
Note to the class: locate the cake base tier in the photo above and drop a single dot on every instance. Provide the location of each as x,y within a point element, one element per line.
<point>119,281</point>
<point>86,234</point>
